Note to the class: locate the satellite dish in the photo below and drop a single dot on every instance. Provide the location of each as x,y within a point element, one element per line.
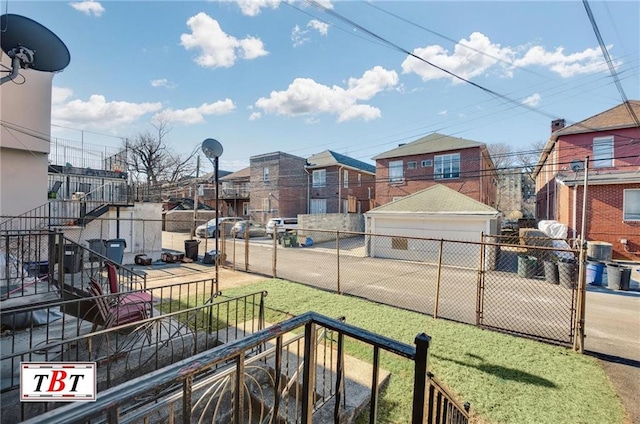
<point>31,45</point>
<point>212,148</point>
<point>577,165</point>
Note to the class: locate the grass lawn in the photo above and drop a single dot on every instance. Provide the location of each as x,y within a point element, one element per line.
<point>506,379</point>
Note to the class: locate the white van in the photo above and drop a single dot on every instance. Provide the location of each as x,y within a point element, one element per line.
<point>283,224</point>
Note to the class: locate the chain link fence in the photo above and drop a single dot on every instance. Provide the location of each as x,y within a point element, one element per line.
<point>526,288</point>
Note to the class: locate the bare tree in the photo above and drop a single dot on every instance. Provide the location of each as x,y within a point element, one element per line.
<point>528,158</point>
<point>502,156</point>
<point>150,160</point>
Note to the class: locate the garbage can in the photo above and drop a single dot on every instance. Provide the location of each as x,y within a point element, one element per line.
<point>595,272</point>
<point>527,266</point>
<point>97,246</point>
<point>567,272</point>
<point>551,272</point>
<point>618,276</point>
<point>191,249</point>
<point>114,250</point>
<point>286,240</point>
<point>211,257</point>
<point>73,258</point>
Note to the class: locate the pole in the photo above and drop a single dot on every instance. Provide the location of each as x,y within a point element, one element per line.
<point>217,229</point>
<point>578,341</point>
<point>195,199</point>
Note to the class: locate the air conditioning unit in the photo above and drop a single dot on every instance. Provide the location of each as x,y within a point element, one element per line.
<point>78,195</point>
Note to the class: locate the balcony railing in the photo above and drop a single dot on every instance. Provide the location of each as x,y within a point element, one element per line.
<point>182,392</point>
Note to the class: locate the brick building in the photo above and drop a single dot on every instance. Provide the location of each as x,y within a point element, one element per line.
<point>611,140</point>
<point>462,165</point>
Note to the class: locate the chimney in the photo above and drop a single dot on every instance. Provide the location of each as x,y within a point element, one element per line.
<point>557,124</point>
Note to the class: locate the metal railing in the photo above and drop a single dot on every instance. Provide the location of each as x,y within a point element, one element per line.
<point>180,392</point>
<point>55,213</point>
<point>175,331</point>
<point>489,283</point>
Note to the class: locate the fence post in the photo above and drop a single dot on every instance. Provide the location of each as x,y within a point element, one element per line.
<point>480,290</point>
<point>437,299</point>
<point>238,395</point>
<point>275,254</point>
<point>234,253</point>
<point>338,258</point>
<point>578,340</point>
<point>308,373</point>
<point>420,379</point>
<point>246,253</point>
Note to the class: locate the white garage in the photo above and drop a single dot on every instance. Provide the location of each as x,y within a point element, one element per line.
<point>428,216</point>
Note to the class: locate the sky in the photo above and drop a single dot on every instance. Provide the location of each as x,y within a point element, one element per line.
<point>355,77</point>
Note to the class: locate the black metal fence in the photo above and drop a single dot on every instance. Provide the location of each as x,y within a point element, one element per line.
<point>526,288</point>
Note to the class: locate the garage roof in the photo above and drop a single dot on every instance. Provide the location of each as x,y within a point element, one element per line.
<point>437,199</point>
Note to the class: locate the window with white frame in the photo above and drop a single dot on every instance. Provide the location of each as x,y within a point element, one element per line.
<point>245,208</point>
<point>318,206</point>
<point>412,164</point>
<point>427,163</point>
<point>631,205</point>
<point>602,152</point>
<point>265,174</point>
<point>345,178</point>
<point>447,166</point>
<point>266,205</point>
<point>396,171</point>
<point>359,180</point>
<point>319,178</point>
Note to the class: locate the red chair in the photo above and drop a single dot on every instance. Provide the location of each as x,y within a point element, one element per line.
<point>113,314</point>
<point>124,298</point>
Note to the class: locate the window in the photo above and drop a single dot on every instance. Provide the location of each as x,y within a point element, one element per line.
<point>447,166</point>
<point>631,205</point>
<point>428,163</point>
<point>245,208</point>
<point>345,178</point>
<point>318,206</point>
<point>399,243</point>
<point>320,178</point>
<point>265,174</point>
<point>359,180</point>
<point>602,152</point>
<point>345,206</point>
<point>266,205</point>
<point>396,173</point>
<point>412,165</point>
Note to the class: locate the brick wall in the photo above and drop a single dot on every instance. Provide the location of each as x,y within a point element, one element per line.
<point>286,189</point>
<point>335,192</point>
<point>471,173</point>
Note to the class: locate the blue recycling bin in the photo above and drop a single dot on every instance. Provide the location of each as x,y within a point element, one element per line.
<point>114,250</point>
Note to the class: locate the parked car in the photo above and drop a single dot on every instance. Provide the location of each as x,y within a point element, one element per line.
<point>255,230</point>
<point>283,224</point>
<point>208,229</point>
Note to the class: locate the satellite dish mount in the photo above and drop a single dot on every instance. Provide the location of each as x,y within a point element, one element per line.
<point>22,38</point>
<point>577,165</point>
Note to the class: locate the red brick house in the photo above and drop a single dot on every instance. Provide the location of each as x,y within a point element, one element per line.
<point>462,165</point>
<point>611,140</point>
<point>339,183</point>
<point>234,192</point>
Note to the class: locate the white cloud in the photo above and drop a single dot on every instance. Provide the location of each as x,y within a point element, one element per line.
<point>88,7</point>
<point>254,7</point>
<point>304,96</point>
<point>566,65</point>
<point>60,94</point>
<point>97,112</point>
<point>468,62</point>
<point>319,26</point>
<point>218,49</point>
<point>533,100</point>
<point>443,112</point>
<point>162,82</point>
<point>464,61</point>
<point>195,115</point>
<point>300,36</point>
<point>254,116</point>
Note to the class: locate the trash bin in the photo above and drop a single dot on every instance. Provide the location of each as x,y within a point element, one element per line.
<point>527,266</point>
<point>286,240</point>
<point>97,246</point>
<point>595,272</point>
<point>191,249</point>
<point>618,276</point>
<point>73,258</point>
<point>114,250</point>
<point>567,272</point>
<point>551,272</point>
<point>211,257</point>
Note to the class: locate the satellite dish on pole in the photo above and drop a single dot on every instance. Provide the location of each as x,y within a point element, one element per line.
<point>577,165</point>
<point>31,46</point>
<point>212,148</point>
